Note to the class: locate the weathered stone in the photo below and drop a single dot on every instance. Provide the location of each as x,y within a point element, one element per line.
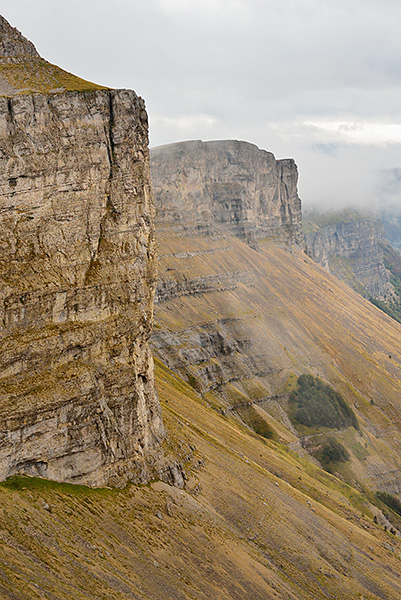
<point>227,186</point>
<point>13,43</point>
<point>351,250</point>
<point>77,273</point>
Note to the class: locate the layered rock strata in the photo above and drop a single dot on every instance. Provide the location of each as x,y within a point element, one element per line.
<point>227,186</point>
<point>351,250</point>
<point>240,322</point>
<point>77,272</point>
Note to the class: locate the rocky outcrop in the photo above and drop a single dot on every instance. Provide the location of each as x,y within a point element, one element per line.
<point>77,272</point>
<point>13,43</point>
<point>23,70</point>
<point>229,186</point>
<point>169,289</point>
<point>350,249</point>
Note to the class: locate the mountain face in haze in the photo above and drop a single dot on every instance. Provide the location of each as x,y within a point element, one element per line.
<point>354,248</point>
<point>77,272</point>
<point>241,323</point>
<point>348,245</point>
<point>206,186</point>
<point>392,226</point>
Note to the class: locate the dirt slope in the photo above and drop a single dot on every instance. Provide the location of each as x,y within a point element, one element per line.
<point>245,323</point>
<point>254,521</point>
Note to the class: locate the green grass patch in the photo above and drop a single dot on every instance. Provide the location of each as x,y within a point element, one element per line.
<point>315,219</point>
<point>38,75</point>
<point>19,483</point>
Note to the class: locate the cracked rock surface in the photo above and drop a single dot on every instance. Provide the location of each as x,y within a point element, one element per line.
<point>227,186</point>
<point>77,272</point>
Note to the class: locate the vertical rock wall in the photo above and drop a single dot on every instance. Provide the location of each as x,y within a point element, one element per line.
<point>227,185</point>
<point>351,251</point>
<point>77,273</point>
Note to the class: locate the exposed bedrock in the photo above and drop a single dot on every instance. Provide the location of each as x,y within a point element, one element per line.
<point>77,270</point>
<point>230,186</point>
<point>351,251</point>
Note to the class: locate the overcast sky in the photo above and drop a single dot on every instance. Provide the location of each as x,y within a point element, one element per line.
<point>319,81</point>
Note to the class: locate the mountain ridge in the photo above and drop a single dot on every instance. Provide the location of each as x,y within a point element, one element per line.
<point>24,71</point>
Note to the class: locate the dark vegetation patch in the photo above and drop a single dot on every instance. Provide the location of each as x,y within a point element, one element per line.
<point>393,309</point>
<point>391,501</point>
<point>314,403</point>
<point>390,506</point>
<point>330,453</point>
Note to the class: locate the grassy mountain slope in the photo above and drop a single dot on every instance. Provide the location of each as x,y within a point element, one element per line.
<point>255,521</point>
<point>36,75</point>
<point>245,341</point>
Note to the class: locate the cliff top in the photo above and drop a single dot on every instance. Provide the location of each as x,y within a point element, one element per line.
<point>24,71</point>
<point>200,147</point>
<point>191,147</point>
<point>313,219</point>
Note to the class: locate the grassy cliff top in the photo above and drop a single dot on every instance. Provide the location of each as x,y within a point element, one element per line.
<point>314,219</point>
<point>24,71</point>
<point>36,75</point>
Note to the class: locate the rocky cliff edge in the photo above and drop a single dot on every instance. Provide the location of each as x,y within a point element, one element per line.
<point>230,186</point>
<point>77,273</point>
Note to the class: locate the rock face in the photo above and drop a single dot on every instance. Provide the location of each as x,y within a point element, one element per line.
<point>229,185</point>
<point>392,226</point>
<point>77,271</point>
<point>13,43</point>
<point>351,250</point>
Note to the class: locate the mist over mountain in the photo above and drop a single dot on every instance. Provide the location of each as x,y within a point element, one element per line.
<point>316,81</point>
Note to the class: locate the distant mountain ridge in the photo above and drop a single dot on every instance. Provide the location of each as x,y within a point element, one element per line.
<point>348,245</point>
<point>353,246</point>
<point>228,185</point>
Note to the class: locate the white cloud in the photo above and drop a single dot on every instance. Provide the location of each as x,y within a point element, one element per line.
<point>181,126</point>
<point>316,80</point>
<point>370,134</point>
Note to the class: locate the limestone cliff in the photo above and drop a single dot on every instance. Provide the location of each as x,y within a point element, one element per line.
<point>77,272</point>
<point>348,246</point>
<point>227,185</point>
